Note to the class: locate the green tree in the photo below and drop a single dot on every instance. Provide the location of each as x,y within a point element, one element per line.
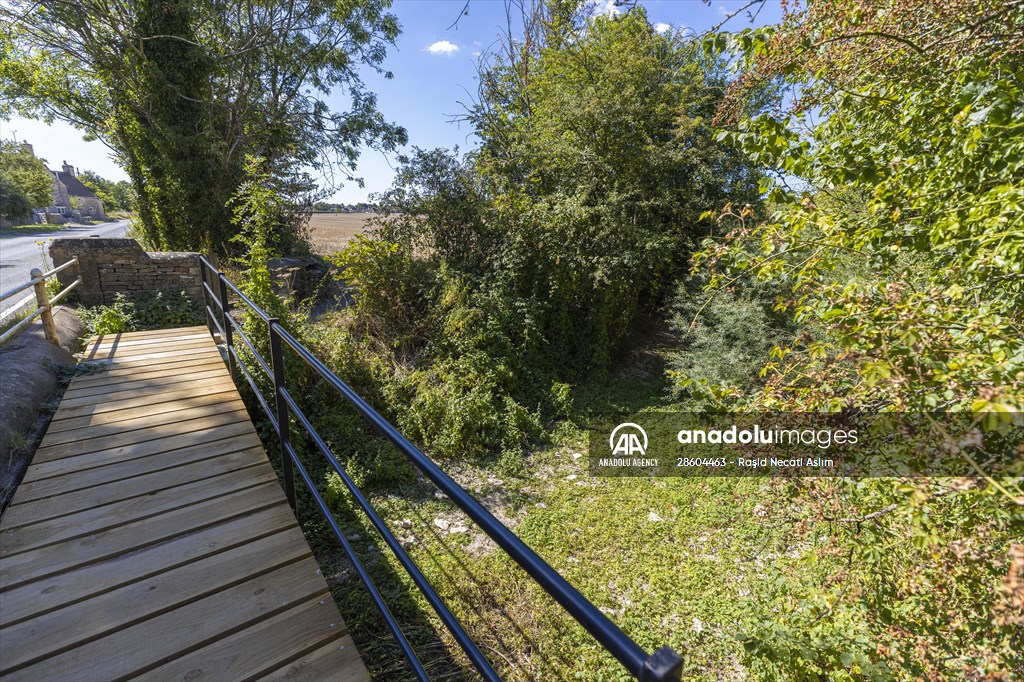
<point>116,196</point>
<point>574,218</point>
<point>184,91</point>
<point>926,128</point>
<point>24,181</point>
<point>13,202</point>
<point>901,256</point>
<point>581,203</point>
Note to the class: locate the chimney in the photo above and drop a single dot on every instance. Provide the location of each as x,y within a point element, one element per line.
<point>29,148</point>
<point>70,170</point>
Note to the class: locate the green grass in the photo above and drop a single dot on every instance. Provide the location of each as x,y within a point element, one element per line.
<point>26,230</point>
<point>671,561</point>
<point>113,216</point>
<point>13,320</point>
<point>687,562</point>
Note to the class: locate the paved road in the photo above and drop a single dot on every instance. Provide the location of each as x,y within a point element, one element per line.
<point>20,253</point>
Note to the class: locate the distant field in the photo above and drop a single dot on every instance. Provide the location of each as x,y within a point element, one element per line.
<point>331,232</point>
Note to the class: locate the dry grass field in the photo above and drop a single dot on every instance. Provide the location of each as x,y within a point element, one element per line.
<point>331,232</point>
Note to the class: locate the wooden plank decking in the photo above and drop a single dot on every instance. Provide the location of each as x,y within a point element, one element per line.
<point>151,540</point>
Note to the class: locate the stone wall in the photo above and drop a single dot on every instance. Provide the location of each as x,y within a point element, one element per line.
<point>109,266</point>
<point>89,207</point>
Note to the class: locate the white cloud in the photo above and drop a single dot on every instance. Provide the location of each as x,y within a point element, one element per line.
<point>607,7</point>
<point>442,47</point>
<point>662,27</point>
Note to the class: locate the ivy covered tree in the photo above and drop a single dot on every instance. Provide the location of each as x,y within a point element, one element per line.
<point>183,92</point>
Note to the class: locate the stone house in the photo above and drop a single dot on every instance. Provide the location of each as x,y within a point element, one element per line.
<point>72,199</point>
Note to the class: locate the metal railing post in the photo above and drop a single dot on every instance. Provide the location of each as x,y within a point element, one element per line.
<point>43,301</point>
<point>229,338</point>
<point>206,296</point>
<point>277,360</point>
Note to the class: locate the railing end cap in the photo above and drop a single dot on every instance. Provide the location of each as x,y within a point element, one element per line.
<point>664,665</point>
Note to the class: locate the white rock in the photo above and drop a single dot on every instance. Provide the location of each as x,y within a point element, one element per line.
<point>654,517</point>
<point>443,524</point>
<point>698,626</point>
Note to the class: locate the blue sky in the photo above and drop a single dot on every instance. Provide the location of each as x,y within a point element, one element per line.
<point>434,70</point>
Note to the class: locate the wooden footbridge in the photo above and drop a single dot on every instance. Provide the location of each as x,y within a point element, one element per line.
<point>150,538</point>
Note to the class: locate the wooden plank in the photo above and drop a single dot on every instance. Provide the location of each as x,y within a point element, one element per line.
<point>106,373</point>
<point>97,375</point>
<point>180,631</point>
<point>146,362</point>
<point>199,386</point>
<point>116,405</point>
<point>73,586</point>
<point>78,390</point>
<point>47,634</point>
<point>161,416</point>
<point>337,661</point>
<point>200,425</point>
<point>298,631</point>
<point>146,346</point>
<point>133,341</point>
<point>178,406</point>
<point>128,352</point>
<point>152,333</point>
<point>113,340</point>
<point>136,346</point>
<point>146,484</point>
<point>141,476</point>
<point>229,439</point>
<point>92,521</point>
<point>37,564</point>
<point>143,360</point>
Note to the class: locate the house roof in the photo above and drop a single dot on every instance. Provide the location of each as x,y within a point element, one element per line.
<point>74,185</point>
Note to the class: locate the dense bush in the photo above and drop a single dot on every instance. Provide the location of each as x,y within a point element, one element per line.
<point>724,341</point>
<point>143,312</point>
<point>496,279</point>
<point>900,257</point>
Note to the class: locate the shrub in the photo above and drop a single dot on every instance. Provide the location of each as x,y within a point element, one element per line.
<point>143,312</point>
<point>393,292</point>
<point>725,338</point>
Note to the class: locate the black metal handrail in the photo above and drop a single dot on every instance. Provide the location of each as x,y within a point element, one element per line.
<point>661,666</point>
